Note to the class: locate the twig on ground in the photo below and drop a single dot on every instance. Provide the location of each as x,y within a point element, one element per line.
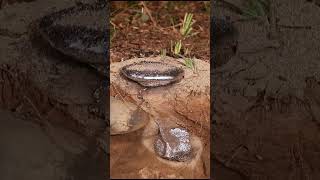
<point>113,24</point>
<point>173,26</point>
<point>117,12</point>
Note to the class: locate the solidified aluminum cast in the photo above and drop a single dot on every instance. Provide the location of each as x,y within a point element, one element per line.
<point>78,32</point>
<point>173,144</point>
<point>152,74</point>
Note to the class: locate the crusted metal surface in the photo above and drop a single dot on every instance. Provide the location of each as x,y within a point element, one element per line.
<point>69,32</point>
<point>173,144</point>
<point>152,74</point>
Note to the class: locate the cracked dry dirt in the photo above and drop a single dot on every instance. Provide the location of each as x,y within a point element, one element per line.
<point>267,96</point>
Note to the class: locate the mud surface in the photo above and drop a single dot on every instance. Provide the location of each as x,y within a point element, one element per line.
<point>267,94</point>
<point>52,113</point>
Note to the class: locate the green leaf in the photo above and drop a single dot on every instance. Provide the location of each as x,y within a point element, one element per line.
<point>163,53</point>
<point>177,47</point>
<point>189,63</point>
<point>187,25</point>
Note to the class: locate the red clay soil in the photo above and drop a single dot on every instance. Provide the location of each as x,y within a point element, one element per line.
<point>134,37</point>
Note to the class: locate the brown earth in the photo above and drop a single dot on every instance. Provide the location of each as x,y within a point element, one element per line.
<point>48,103</point>
<point>266,109</point>
<point>187,99</point>
<point>267,99</point>
<point>186,102</point>
<point>132,156</point>
<point>136,38</point>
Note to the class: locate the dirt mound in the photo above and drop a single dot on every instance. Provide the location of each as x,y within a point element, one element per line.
<point>187,99</point>
<point>185,103</point>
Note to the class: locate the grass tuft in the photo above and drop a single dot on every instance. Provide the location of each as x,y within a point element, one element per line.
<point>177,48</point>
<point>187,25</point>
<point>163,53</point>
<point>189,62</point>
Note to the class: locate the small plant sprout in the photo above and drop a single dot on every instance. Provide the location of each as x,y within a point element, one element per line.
<point>177,48</point>
<point>189,63</point>
<point>144,17</point>
<point>163,53</point>
<point>187,51</point>
<point>187,25</point>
